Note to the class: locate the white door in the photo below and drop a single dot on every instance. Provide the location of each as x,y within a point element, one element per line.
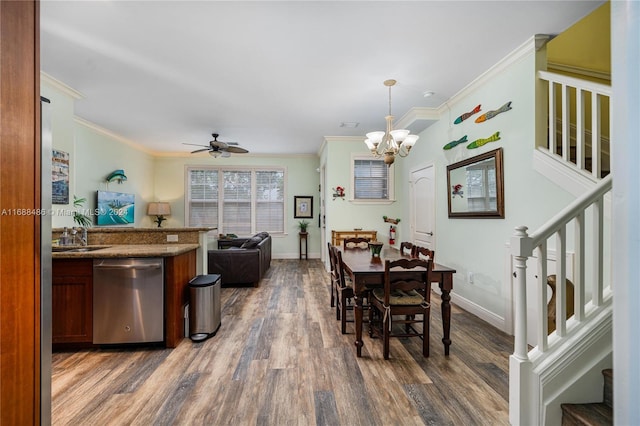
<point>422,207</point>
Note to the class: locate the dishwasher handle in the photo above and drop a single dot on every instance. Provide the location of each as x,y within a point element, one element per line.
<point>127,267</point>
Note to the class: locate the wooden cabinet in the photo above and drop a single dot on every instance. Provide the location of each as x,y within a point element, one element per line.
<point>72,298</point>
<point>338,236</point>
<point>178,271</point>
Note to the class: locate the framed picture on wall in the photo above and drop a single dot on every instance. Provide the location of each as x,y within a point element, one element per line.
<point>303,207</point>
<point>60,177</point>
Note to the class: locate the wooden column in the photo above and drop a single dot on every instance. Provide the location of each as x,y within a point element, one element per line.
<point>19,222</point>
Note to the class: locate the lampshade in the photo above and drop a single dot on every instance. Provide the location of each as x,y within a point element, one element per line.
<point>159,209</point>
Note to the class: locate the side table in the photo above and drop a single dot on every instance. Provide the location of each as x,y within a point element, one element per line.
<point>303,237</point>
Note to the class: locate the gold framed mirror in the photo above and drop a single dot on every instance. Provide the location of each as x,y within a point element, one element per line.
<point>476,187</point>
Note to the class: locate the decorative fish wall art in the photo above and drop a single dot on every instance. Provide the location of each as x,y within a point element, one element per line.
<point>479,142</point>
<point>490,114</point>
<point>467,115</point>
<point>455,143</point>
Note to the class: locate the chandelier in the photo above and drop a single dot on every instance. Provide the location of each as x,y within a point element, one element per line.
<point>391,142</point>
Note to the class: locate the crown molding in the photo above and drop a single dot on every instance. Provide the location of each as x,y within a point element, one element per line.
<point>81,121</point>
<point>418,114</point>
<point>58,85</point>
<point>525,50</point>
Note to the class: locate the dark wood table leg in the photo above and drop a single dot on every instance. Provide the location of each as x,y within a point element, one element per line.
<point>445,287</point>
<point>358,315</point>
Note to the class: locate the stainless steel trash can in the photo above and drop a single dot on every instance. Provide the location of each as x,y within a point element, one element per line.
<point>204,306</point>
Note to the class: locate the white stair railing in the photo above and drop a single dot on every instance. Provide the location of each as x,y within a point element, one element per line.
<point>578,119</point>
<point>522,383</point>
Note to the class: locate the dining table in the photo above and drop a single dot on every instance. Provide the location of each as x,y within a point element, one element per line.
<point>367,272</point>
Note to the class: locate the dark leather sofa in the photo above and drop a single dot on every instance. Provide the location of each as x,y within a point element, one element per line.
<point>241,260</point>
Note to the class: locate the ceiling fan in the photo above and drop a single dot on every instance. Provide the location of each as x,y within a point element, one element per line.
<point>217,148</point>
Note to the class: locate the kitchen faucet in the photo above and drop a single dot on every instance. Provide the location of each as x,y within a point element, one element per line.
<point>83,238</point>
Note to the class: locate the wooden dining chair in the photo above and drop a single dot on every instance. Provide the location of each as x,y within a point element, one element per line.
<point>358,243</point>
<point>344,291</point>
<point>406,248</point>
<point>423,253</point>
<point>400,302</point>
<point>332,272</point>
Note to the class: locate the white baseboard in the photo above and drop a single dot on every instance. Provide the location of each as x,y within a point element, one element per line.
<point>477,310</point>
<point>294,256</point>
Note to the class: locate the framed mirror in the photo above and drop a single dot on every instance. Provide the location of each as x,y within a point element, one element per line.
<point>476,187</point>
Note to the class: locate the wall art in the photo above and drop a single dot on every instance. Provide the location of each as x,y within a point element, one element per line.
<point>60,177</point>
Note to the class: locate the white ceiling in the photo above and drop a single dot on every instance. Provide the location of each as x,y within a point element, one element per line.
<point>277,77</point>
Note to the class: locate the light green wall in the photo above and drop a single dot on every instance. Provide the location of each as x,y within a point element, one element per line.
<point>469,245</point>
<point>302,179</point>
<point>478,245</point>
<point>93,155</point>
<point>342,214</point>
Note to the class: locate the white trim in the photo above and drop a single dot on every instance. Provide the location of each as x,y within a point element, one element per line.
<point>88,124</point>
<point>484,314</point>
<point>58,85</point>
<point>554,66</point>
<point>391,191</point>
<point>571,179</point>
<point>252,169</point>
<point>525,50</point>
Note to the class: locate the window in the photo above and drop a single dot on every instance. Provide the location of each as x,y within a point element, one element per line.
<point>481,185</point>
<point>372,180</point>
<point>238,201</point>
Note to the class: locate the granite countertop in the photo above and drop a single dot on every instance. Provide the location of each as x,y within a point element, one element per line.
<point>128,229</point>
<point>121,250</point>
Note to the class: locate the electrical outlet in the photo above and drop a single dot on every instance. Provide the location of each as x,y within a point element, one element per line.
<point>172,238</point>
<point>470,277</point>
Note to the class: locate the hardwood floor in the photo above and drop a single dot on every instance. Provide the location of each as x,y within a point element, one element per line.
<point>279,359</point>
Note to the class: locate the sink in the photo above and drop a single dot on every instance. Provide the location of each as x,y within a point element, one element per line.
<point>75,249</point>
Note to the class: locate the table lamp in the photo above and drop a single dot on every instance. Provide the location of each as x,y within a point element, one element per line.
<point>159,210</point>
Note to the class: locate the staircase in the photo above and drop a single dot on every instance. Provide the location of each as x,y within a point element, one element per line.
<point>566,365</point>
<point>594,413</point>
<point>573,147</point>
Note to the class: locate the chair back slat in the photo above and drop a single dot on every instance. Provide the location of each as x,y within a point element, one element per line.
<point>423,253</point>
<point>406,248</point>
<point>396,281</point>
<point>356,243</point>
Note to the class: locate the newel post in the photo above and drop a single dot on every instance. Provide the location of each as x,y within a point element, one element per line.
<point>522,402</point>
<point>521,250</point>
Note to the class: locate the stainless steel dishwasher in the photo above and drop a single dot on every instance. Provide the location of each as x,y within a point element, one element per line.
<point>128,300</point>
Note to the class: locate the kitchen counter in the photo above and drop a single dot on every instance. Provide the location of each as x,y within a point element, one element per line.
<point>121,250</point>
<point>72,288</point>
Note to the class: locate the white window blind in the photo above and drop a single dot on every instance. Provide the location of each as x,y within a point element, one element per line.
<point>481,196</point>
<point>370,179</point>
<point>236,202</point>
<point>270,201</point>
<point>241,202</point>
<point>203,198</point>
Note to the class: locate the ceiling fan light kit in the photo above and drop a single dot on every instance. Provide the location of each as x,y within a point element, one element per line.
<point>390,142</point>
<point>217,148</point>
